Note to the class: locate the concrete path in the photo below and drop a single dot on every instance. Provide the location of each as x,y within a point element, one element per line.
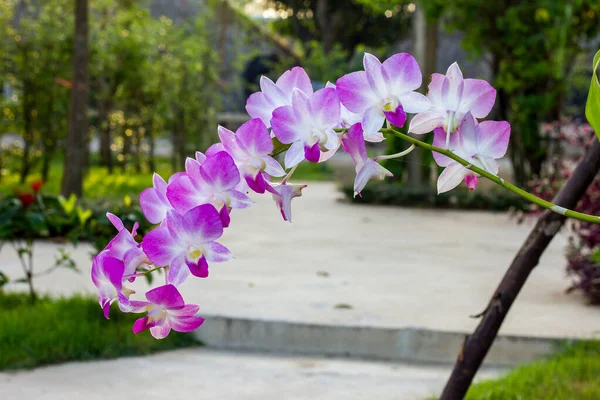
<point>371,266</point>
<point>206,374</point>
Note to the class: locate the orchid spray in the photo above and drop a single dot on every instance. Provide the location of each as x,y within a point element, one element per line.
<point>193,208</point>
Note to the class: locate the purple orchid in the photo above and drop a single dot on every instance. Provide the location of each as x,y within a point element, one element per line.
<point>452,97</point>
<point>107,275</point>
<point>213,182</point>
<point>383,90</point>
<point>154,202</point>
<point>480,144</point>
<point>308,124</point>
<point>283,193</point>
<point>125,248</point>
<point>186,243</point>
<point>250,147</point>
<point>366,168</point>
<point>166,310</point>
<point>273,95</point>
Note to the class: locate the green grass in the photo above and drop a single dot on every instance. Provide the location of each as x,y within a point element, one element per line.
<point>572,374</point>
<point>98,184</point>
<point>59,330</point>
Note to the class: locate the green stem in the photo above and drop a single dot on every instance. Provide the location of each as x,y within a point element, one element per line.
<point>499,181</point>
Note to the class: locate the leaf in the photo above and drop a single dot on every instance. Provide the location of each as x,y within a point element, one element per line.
<point>592,107</point>
<point>595,257</point>
<point>83,215</point>
<point>68,205</point>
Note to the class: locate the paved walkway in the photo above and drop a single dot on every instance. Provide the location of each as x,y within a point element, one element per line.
<point>346,264</point>
<point>207,374</point>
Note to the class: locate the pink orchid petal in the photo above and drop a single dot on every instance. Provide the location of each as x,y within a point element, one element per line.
<point>354,144</point>
<point>493,138</point>
<point>373,69</point>
<point>216,252</point>
<point>427,121</point>
<point>396,117</point>
<point>312,153</point>
<point>451,177</point>
<point>285,124</point>
<point>225,217</point>
<point>471,181</point>
<point>355,92</point>
<point>439,140</point>
<point>402,74</point>
<point>115,221</point>
<point>373,120</point>
<point>478,97</point>
<point>237,199</point>
<point>413,102</point>
<point>199,268</point>
<point>295,78</point>
<point>294,155</point>
<point>179,272</point>
<point>160,331</point>
<point>253,138</point>
<point>201,224</point>
<point>140,325</point>
<point>166,296</point>
<point>272,166</point>
<point>183,194</point>
<point>220,172</point>
<point>161,247</point>
<point>369,170</point>
<point>256,183</point>
<point>434,92</point>
<point>324,107</point>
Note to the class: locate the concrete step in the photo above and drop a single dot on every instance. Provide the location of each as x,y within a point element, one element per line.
<point>415,345</point>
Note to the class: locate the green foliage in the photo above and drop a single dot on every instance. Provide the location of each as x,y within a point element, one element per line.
<point>72,329</point>
<point>572,374</point>
<point>592,107</point>
<point>373,23</point>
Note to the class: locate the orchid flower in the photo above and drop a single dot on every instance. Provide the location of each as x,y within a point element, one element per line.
<point>154,202</point>
<point>166,310</point>
<point>124,247</point>
<point>107,275</point>
<point>283,193</point>
<point>308,125</point>
<point>366,168</point>
<point>212,182</point>
<point>383,90</point>
<point>250,147</point>
<point>480,144</point>
<point>273,95</point>
<point>452,97</point>
<point>186,243</point>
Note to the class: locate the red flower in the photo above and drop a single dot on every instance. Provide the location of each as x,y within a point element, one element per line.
<point>37,185</point>
<point>27,199</point>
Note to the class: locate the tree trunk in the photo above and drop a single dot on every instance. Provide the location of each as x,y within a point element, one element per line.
<point>75,158</point>
<point>137,156</point>
<point>151,146</point>
<point>28,105</point>
<point>426,43</point>
<point>476,346</point>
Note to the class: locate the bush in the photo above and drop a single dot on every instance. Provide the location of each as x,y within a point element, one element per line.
<point>427,197</point>
<point>60,330</point>
<point>583,253</point>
